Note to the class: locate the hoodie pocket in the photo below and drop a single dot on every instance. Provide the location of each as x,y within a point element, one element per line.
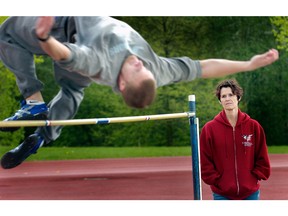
<point>227,183</point>
<point>248,182</point>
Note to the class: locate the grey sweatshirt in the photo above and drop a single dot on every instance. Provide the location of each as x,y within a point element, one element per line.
<point>103,43</point>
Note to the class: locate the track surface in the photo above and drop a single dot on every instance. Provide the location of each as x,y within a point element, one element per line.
<point>166,178</point>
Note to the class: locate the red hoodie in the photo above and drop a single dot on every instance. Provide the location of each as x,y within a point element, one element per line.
<point>234,161</point>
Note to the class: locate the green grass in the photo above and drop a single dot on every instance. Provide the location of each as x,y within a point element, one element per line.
<point>278,149</point>
<point>73,153</point>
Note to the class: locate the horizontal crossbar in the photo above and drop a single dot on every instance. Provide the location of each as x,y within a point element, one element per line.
<point>42,123</point>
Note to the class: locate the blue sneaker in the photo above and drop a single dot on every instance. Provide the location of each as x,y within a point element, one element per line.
<point>30,110</point>
<point>17,155</point>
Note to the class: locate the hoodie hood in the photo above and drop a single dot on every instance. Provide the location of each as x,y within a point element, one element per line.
<point>222,118</point>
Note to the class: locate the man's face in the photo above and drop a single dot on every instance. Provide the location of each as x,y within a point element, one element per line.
<point>132,63</point>
<point>133,72</point>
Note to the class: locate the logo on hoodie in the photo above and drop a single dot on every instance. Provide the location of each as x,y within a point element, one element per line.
<point>247,140</point>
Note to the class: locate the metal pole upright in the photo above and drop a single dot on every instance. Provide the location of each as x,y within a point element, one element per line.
<point>194,136</point>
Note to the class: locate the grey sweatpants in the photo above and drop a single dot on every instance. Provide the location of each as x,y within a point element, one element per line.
<point>18,44</point>
<point>66,103</point>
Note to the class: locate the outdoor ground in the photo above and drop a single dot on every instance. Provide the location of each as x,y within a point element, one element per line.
<point>165,178</point>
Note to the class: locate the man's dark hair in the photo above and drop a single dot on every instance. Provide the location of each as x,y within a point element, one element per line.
<point>140,96</point>
<point>233,84</point>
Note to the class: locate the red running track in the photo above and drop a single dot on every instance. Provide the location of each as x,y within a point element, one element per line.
<point>165,178</point>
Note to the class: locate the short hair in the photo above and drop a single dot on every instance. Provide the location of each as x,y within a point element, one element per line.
<point>140,96</point>
<point>233,84</point>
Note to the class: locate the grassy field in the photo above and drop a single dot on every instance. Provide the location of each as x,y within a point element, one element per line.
<point>63,153</point>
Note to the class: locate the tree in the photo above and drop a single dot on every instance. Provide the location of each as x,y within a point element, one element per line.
<point>198,38</point>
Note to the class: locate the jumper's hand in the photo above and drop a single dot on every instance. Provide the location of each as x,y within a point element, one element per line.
<point>44,26</point>
<point>55,49</point>
<point>264,59</point>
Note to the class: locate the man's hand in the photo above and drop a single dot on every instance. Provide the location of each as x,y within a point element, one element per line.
<point>44,26</point>
<point>55,49</point>
<point>264,59</point>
